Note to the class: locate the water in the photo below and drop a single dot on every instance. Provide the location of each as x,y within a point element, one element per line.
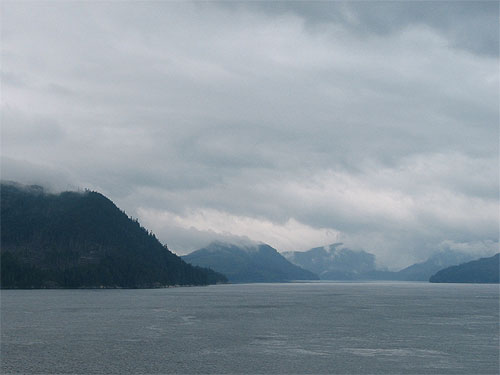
<point>335,328</point>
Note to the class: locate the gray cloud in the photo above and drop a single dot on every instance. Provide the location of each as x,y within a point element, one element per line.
<point>30,173</point>
<point>469,25</point>
<point>290,123</point>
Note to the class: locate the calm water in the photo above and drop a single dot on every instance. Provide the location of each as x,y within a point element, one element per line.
<point>344,328</point>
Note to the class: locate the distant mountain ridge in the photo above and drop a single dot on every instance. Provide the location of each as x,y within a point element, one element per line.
<point>484,270</point>
<point>334,262</point>
<point>81,239</point>
<point>248,263</point>
<point>423,270</point>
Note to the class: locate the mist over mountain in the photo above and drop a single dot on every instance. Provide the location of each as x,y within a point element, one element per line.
<point>81,239</point>
<point>484,270</point>
<point>423,270</point>
<point>334,262</point>
<point>76,239</point>
<point>248,263</point>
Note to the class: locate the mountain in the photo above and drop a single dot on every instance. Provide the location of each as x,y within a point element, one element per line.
<point>422,271</point>
<point>484,270</point>
<point>334,262</point>
<point>81,239</point>
<point>247,264</point>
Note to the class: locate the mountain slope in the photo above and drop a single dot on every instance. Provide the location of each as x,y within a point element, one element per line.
<point>82,240</point>
<point>484,270</point>
<point>422,271</point>
<point>256,263</point>
<point>333,262</point>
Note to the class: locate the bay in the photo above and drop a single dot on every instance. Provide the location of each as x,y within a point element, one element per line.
<point>293,328</point>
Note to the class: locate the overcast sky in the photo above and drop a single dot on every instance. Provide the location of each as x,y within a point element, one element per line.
<point>292,123</point>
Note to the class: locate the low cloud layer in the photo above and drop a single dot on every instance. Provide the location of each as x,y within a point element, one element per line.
<point>296,124</point>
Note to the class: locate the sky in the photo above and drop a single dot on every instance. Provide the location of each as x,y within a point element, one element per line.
<point>297,124</point>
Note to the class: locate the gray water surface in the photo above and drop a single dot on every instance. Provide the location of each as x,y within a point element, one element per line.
<point>335,328</point>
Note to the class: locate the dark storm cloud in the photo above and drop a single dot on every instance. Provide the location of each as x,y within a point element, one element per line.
<point>293,123</point>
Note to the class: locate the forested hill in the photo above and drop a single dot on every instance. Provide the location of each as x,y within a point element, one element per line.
<point>78,239</point>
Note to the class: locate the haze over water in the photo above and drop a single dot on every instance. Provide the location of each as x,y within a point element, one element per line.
<point>338,328</point>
